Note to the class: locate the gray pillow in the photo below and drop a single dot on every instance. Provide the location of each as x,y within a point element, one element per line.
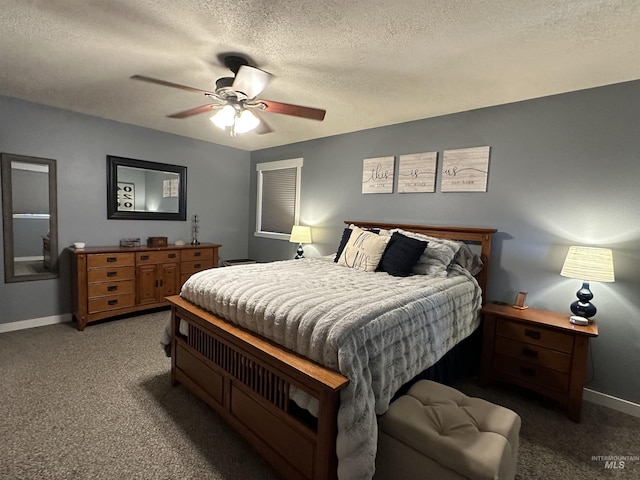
<point>468,260</point>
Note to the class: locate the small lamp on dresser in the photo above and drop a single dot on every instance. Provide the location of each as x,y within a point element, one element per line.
<point>589,264</point>
<point>300,235</point>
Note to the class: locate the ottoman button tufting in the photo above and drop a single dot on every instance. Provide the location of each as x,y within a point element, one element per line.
<point>437,432</point>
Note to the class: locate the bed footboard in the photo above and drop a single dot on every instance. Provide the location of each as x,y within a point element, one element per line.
<point>247,380</point>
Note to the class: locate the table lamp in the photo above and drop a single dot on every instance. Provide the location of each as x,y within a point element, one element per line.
<point>300,235</point>
<point>589,264</point>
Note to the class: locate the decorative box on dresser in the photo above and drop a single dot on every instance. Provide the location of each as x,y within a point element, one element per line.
<point>111,281</point>
<point>536,349</point>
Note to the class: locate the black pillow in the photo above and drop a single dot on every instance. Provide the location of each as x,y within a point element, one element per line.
<point>343,242</point>
<point>401,255</point>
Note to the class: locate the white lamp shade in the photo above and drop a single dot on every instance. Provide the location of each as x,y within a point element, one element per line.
<point>245,122</point>
<point>300,234</point>
<point>589,264</point>
<point>225,117</point>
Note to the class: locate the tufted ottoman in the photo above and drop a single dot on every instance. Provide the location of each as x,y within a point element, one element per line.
<point>436,432</point>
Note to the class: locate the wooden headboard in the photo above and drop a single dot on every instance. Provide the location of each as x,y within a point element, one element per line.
<point>470,235</point>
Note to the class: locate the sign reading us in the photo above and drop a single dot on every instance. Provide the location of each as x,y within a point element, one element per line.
<point>377,175</point>
<point>465,170</point>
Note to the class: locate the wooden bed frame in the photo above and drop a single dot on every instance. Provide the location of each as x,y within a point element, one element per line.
<point>247,379</point>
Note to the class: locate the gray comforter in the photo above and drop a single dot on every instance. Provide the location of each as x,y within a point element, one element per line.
<point>377,330</point>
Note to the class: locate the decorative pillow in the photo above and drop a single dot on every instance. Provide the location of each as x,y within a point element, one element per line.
<point>364,250</point>
<point>401,255</point>
<point>436,257</point>
<point>346,233</point>
<point>468,260</point>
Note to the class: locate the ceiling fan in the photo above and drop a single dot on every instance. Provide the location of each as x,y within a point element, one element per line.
<point>235,99</point>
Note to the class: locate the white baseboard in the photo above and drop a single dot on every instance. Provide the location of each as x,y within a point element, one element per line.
<point>35,322</point>
<point>612,402</point>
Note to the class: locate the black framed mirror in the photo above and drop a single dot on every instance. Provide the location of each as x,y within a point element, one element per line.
<point>143,190</point>
<point>29,218</point>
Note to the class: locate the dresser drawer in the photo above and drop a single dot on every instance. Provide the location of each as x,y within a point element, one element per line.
<point>98,260</point>
<point>535,335</point>
<point>111,288</point>
<point>196,254</point>
<point>535,354</point>
<point>115,302</point>
<point>111,274</point>
<point>164,256</point>
<point>195,266</point>
<point>530,373</point>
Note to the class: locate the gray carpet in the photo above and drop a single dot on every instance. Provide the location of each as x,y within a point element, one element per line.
<point>98,405</point>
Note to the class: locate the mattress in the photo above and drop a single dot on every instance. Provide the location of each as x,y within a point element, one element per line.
<point>378,330</point>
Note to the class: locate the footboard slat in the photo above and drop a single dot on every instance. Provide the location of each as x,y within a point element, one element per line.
<point>240,374</point>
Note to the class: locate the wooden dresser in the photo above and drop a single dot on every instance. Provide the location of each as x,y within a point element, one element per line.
<point>110,281</point>
<point>538,350</point>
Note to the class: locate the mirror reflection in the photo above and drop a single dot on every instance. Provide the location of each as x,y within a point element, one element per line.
<point>29,218</point>
<point>142,190</point>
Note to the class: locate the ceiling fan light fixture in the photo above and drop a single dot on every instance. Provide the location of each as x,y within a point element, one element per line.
<point>224,118</point>
<point>245,122</point>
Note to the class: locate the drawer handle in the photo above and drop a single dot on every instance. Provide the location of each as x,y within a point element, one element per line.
<point>144,257</point>
<point>196,265</point>
<point>535,334</point>
<point>112,302</point>
<point>112,288</point>
<point>111,259</point>
<point>112,274</point>
<point>528,352</point>
<point>197,254</point>
<point>172,255</point>
<point>529,372</point>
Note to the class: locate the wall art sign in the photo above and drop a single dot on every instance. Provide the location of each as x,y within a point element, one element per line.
<point>417,172</point>
<point>170,188</point>
<point>465,170</point>
<point>377,175</point>
<point>126,197</point>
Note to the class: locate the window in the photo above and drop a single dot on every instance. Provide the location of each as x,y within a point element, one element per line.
<point>278,198</point>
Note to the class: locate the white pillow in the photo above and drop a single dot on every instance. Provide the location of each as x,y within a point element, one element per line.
<point>364,250</point>
<point>436,257</point>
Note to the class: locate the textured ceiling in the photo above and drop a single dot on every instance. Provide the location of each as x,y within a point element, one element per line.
<point>368,63</point>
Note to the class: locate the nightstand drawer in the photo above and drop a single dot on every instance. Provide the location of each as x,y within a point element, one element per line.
<point>529,373</point>
<point>115,302</point>
<point>544,357</point>
<point>157,257</point>
<point>111,288</point>
<point>195,266</point>
<point>535,335</point>
<point>110,274</point>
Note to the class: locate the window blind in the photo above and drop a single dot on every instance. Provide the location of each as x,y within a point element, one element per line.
<point>278,200</point>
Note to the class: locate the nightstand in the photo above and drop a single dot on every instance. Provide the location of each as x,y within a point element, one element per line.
<point>538,350</point>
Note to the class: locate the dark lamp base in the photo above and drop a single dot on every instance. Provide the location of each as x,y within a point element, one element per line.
<point>583,307</point>
<point>300,252</point>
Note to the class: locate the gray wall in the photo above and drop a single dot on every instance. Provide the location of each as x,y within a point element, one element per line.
<point>217,188</point>
<point>564,170</point>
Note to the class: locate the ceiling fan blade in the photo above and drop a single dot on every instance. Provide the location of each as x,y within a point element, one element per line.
<point>195,111</point>
<point>295,110</point>
<point>168,84</point>
<point>263,127</point>
<point>251,81</point>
